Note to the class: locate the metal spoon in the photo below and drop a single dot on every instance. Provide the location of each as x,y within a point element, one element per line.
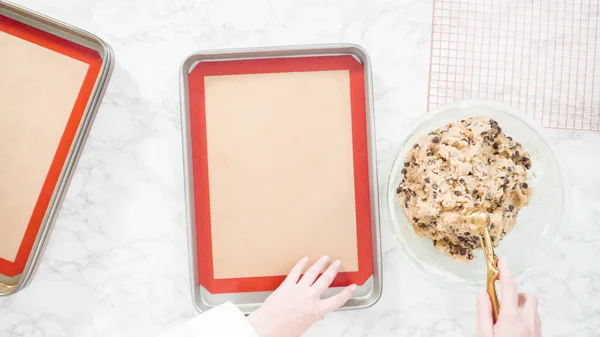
<point>481,219</point>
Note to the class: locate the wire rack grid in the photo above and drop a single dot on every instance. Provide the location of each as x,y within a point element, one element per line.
<point>540,56</point>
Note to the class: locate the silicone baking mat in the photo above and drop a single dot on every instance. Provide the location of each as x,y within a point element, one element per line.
<point>280,169</point>
<point>46,84</point>
<point>541,57</point>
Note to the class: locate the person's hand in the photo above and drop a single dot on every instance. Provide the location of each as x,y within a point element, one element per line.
<point>518,315</point>
<point>296,305</point>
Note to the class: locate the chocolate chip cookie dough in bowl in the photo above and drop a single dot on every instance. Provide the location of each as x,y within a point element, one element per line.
<point>521,168</point>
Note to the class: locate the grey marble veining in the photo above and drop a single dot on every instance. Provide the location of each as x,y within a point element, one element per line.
<point>116,264</point>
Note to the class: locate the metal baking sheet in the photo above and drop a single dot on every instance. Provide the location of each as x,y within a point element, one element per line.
<point>249,299</point>
<point>48,29</point>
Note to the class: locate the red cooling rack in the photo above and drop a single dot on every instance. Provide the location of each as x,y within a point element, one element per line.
<point>540,56</point>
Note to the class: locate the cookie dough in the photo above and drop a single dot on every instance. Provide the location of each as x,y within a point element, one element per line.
<point>465,165</point>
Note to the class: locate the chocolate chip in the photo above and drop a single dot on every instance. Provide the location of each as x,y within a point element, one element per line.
<point>461,239</point>
<point>427,180</point>
<point>403,171</point>
<point>463,251</point>
<point>511,208</point>
<point>434,195</point>
<point>406,205</point>
<point>483,133</point>
<point>501,201</point>
<point>429,152</point>
<point>467,233</point>
<point>434,242</point>
<point>510,169</point>
<point>499,129</point>
<point>505,181</point>
<point>528,166</point>
<point>492,226</point>
<point>415,219</point>
<point>461,180</point>
<point>457,193</point>
<point>415,146</point>
<point>435,140</point>
<point>491,160</point>
<point>398,190</point>
<point>434,186</point>
<point>496,146</point>
<point>517,154</point>
<point>524,185</point>
<point>509,138</point>
<point>489,198</point>
<point>406,164</point>
<point>496,153</point>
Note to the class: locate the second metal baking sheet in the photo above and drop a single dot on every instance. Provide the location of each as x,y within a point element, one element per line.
<point>52,77</point>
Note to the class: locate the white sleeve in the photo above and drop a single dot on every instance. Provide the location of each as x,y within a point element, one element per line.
<point>223,321</point>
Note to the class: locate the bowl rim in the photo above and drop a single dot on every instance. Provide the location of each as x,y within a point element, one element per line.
<point>406,255</point>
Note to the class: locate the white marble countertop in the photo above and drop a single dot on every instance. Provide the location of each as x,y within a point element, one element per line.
<point>117,265</point>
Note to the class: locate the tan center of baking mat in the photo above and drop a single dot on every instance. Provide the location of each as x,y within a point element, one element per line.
<point>38,89</point>
<point>281,174</point>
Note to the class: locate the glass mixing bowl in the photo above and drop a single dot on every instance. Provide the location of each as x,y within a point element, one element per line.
<point>537,223</point>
